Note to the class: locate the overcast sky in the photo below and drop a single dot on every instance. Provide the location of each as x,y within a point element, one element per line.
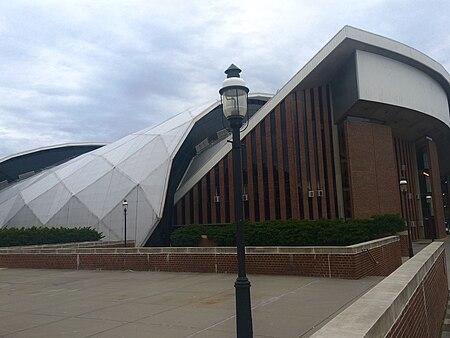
<point>79,71</point>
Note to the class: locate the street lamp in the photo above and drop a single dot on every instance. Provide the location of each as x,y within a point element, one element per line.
<point>404,190</point>
<point>125,207</point>
<point>234,94</point>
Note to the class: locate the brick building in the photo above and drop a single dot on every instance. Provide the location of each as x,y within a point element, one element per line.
<point>333,142</point>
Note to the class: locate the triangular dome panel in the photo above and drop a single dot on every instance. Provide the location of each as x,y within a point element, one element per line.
<point>49,203</point>
<point>25,218</point>
<point>87,175</point>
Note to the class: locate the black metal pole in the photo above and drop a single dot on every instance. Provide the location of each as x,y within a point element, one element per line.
<point>408,226</point>
<point>244,327</point>
<point>125,227</point>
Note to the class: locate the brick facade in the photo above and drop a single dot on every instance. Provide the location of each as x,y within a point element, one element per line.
<point>288,154</point>
<point>371,169</point>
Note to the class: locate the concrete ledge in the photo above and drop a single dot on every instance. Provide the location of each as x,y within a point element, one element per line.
<point>96,247</point>
<point>89,244</point>
<point>375,313</point>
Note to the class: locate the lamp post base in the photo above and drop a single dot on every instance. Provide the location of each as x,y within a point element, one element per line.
<point>244,327</point>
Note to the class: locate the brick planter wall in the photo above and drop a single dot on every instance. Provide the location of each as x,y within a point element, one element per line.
<point>375,258</point>
<point>411,302</point>
<point>404,243</point>
<point>423,315</point>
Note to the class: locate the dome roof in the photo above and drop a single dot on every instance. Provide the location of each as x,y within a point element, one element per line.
<point>89,190</point>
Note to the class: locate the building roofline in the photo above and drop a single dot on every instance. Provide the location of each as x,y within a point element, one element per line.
<point>341,45</point>
<point>56,146</point>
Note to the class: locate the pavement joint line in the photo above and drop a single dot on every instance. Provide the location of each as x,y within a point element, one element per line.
<point>39,325</point>
<point>260,304</point>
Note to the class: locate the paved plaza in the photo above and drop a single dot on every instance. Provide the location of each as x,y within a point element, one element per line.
<point>67,303</point>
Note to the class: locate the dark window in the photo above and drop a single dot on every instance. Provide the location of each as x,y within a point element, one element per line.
<point>208,199</point>
<point>287,188</point>
<point>183,210</point>
<point>325,185</point>
<point>175,214</point>
<point>265,171</point>
<point>255,175</point>
<point>217,188</point>
<point>315,149</point>
<point>297,158</point>
<point>330,131</point>
<point>344,173</point>
<point>200,202</point>
<point>245,180</point>
<point>276,183</point>
<point>227,189</point>
<point>191,206</point>
<point>306,142</point>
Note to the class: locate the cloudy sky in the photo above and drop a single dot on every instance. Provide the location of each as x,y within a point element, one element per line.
<point>76,71</point>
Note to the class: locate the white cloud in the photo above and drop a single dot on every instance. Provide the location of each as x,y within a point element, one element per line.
<point>98,70</point>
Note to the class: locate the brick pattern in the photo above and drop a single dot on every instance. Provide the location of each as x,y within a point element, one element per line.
<point>371,169</point>
<point>424,313</point>
<point>404,244</point>
<point>377,261</point>
<point>313,172</point>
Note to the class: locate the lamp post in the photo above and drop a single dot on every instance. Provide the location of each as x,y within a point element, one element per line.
<point>404,190</point>
<point>429,200</point>
<point>125,207</point>
<point>234,94</point>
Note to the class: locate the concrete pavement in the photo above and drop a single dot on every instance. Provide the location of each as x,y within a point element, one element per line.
<point>66,303</point>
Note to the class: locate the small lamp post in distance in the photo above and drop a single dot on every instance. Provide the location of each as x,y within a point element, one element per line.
<point>125,207</point>
<point>234,96</point>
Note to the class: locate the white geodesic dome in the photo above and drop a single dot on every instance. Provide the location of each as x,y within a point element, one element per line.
<point>89,190</point>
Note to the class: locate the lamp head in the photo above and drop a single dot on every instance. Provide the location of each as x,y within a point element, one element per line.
<point>234,94</point>
<point>125,205</point>
<point>403,185</point>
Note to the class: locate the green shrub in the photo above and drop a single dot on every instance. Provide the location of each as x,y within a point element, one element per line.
<point>294,232</point>
<point>41,235</point>
<point>188,236</point>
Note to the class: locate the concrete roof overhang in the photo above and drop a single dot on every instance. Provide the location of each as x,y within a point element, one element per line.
<point>405,123</point>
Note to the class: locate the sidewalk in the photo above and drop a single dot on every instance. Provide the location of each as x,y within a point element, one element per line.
<point>67,303</point>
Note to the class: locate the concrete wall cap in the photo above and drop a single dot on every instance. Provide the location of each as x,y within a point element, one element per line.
<point>374,314</point>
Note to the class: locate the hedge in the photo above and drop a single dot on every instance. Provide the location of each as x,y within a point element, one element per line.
<point>41,235</point>
<point>294,232</point>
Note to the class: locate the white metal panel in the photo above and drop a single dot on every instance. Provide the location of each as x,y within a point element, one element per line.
<point>5,208</point>
<point>127,149</point>
<point>385,80</point>
<point>71,167</point>
<point>39,187</point>
<point>154,184</point>
<point>87,175</point>
<point>79,215</point>
<point>50,202</point>
<point>139,165</point>
<point>172,138</point>
<point>25,218</point>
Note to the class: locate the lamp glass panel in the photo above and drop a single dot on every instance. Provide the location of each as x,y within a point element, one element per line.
<point>234,102</point>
